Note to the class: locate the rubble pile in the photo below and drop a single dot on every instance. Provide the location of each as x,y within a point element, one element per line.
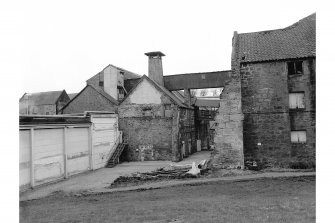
<point>167,173</point>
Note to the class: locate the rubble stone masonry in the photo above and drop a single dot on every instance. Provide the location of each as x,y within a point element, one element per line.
<point>228,139</point>
<point>151,133</point>
<point>268,119</point>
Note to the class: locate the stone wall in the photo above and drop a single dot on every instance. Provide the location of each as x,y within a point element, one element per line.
<point>269,120</point>
<point>264,87</point>
<point>147,137</point>
<point>89,100</point>
<point>266,139</point>
<point>181,129</point>
<point>228,137</point>
<point>303,154</point>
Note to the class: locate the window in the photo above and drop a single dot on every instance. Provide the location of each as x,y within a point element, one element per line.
<point>101,83</point>
<point>167,106</point>
<point>296,100</point>
<point>294,67</point>
<point>298,136</point>
<point>120,93</point>
<point>147,111</point>
<point>167,110</point>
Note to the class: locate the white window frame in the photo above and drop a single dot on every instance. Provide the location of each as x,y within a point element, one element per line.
<point>297,100</point>
<point>298,136</point>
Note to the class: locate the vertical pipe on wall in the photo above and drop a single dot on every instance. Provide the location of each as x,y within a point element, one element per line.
<point>32,173</point>
<point>65,151</point>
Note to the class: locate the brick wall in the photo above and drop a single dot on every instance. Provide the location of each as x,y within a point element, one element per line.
<point>89,100</point>
<point>154,133</point>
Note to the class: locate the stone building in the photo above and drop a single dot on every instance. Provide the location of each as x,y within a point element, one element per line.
<point>265,116</point>
<point>43,103</point>
<point>157,124</point>
<point>275,81</point>
<point>103,91</point>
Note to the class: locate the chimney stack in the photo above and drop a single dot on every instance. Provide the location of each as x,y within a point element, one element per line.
<point>156,67</point>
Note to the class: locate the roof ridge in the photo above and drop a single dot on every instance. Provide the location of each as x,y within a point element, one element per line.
<point>104,94</point>
<point>199,72</point>
<point>161,88</point>
<point>282,29</point>
<point>44,92</point>
<point>120,68</point>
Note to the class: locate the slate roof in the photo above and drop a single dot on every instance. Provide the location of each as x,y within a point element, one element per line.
<point>295,41</point>
<point>42,98</point>
<point>179,95</point>
<point>103,93</point>
<point>127,75</point>
<point>200,102</point>
<point>72,95</point>
<point>160,88</point>
<point>97,89</point>
<point>130,83</point>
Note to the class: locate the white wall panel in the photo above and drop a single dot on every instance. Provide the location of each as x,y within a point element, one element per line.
<point>24,157</point>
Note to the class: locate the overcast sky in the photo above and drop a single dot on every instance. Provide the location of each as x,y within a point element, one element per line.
<point>60,44</point>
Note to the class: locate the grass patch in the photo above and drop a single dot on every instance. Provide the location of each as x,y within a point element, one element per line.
<point>264,200</point>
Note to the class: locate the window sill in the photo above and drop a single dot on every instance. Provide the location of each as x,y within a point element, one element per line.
<point>295,75</point>
<point>297,109</point>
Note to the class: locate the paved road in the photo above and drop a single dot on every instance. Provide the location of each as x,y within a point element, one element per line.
<point>99,179</point>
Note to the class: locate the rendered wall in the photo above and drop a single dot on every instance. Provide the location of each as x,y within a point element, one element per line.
<point>110,81</point>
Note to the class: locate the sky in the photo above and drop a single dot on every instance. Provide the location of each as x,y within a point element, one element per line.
<point>61,44</point>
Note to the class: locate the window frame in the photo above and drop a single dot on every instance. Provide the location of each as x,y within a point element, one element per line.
<point>303,100</point>
<point>294,63</point>
<point>299,142</point>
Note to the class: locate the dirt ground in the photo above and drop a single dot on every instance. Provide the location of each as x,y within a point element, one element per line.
<point>261,200</point>
<point>99,179</point>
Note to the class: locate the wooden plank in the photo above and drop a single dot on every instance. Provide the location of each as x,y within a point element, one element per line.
<point>32,176</point>
<point>90,148</point>
<point>24,158</point>
<point>65,152</point>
